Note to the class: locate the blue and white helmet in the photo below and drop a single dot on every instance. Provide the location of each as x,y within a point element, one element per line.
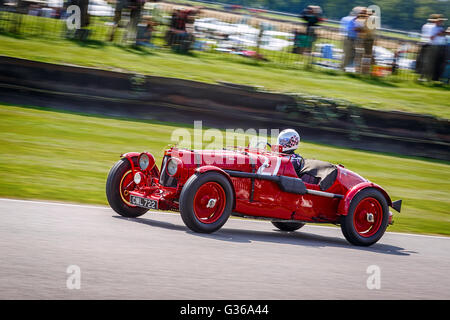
<point>289,139</point>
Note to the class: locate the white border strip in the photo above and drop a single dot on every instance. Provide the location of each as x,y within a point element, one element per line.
<point>170,213</point>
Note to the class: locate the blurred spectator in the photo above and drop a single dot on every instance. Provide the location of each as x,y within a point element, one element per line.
<point>21,7</point>
<point>427,27</point>
<point>423,59</point>
<point>145,31</point>
<point>366,39</point>
<point>135,7</point>
<point>120,5</point>
<point>400,53</point>
<point>438,49</point>
<point>47,12</point>
<point>299,41</point>
<point>57,6</point>
<point>446,74</point>
<point>33,10</point>
<point>180,35</point>
<point>312,16</point>
<point>350,33</point>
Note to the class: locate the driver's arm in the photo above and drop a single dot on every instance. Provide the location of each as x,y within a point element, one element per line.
<point>298,162</point>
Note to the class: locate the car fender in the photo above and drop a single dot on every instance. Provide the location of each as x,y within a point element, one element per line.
<point>130,156</point>
<point>209,168</point>
<point>352,192</point>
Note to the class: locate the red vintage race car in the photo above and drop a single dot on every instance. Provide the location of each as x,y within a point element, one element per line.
<point>207,186</point>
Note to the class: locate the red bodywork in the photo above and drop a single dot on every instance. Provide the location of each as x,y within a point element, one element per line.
<point>252,197</point>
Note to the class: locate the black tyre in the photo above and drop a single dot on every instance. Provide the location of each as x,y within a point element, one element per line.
<point>367,218</point>
<point>288,226</point>
<point>206,202</point>
<point>119,183</point>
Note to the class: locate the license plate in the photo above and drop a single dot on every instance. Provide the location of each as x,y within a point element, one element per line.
<point>144,203</point>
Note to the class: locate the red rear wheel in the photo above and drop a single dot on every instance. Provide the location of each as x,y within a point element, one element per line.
<point>367,218</point>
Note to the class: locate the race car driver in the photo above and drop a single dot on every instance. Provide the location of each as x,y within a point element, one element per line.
<point>289,140</point>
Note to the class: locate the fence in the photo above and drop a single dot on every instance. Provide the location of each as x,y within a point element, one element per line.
<point>246,34</point>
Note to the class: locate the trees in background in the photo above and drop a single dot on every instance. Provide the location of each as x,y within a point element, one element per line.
<point>398,14</point>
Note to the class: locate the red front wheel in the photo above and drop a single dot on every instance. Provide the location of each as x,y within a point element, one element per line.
<point>367,218</point>
<point>206,202</point>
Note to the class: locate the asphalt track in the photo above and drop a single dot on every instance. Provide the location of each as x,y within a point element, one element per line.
<point>157,257</point>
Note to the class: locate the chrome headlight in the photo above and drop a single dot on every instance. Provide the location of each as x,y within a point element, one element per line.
<point>144,161</point>
<point>172,167</point>
<point>138,177</point>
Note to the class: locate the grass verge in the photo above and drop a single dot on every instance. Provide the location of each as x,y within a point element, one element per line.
<point>65,156</point>
<point>368,92</point>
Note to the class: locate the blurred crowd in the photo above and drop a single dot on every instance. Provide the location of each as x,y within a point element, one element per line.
<point>304,39</point>
<point>180,35</point>
<point>358,33</point>
<point>433,61</point>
